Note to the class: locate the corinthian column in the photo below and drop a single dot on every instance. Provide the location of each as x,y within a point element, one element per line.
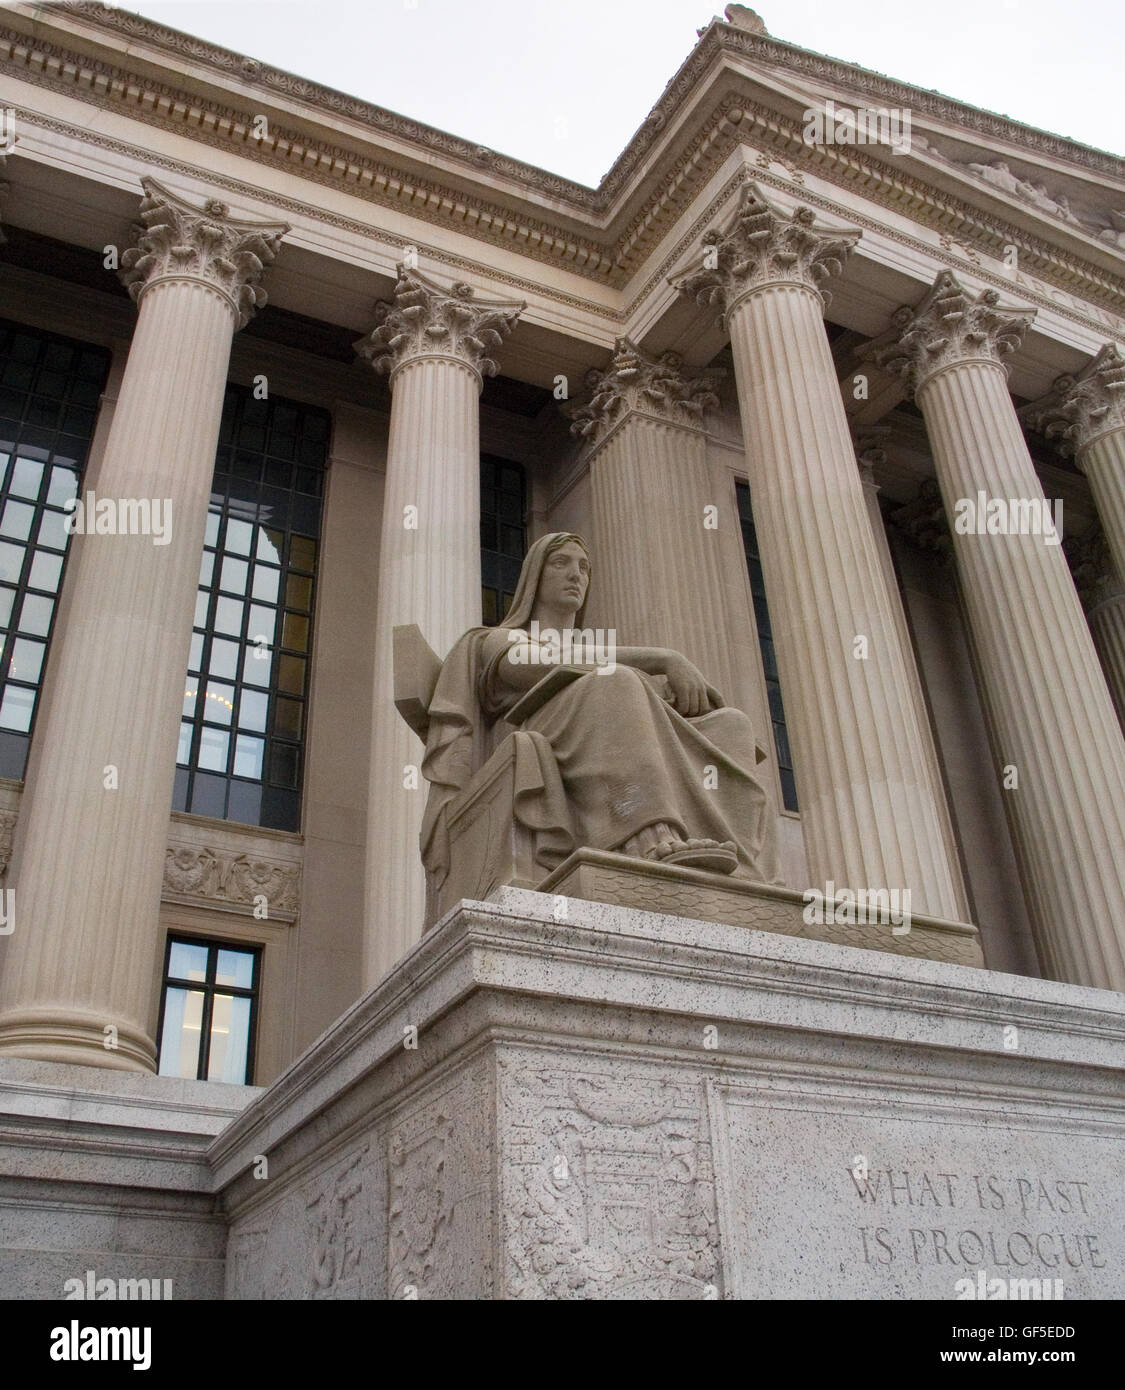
<point>436,346</point>
<point>868,807</point>
<point>655,521</point>
<point>1085,414</point>
<point>88,860</point>
<point>1057,735</point>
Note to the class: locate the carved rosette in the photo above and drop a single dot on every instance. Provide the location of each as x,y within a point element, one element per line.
<point>764,246</point>
<point>1082,408</point>
<point>635,383</point>
<point>179,241</point>
<point>426,320</point>
<point>950,326</point>
<point>1095,574</point>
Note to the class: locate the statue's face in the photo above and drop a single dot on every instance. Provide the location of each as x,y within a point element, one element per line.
<point>565,578</point>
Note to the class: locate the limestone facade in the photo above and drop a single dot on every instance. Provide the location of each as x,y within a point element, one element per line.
<point>732,305</point>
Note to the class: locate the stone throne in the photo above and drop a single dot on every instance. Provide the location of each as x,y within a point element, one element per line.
<point>491,851</point>
<point>489,848</point>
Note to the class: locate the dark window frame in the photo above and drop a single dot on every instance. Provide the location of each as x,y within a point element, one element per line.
<point>48,415</point>
<point>782,751</point>
<point>209,989</point>
<point>500,504</point>
<point>257,465</point>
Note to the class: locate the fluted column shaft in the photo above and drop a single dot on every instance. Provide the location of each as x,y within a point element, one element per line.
<point>660,576</point>
<point>917,697</point>
<point>1107,625</point>
<point>436,344</point>
<point>87,865</point>
<point>1054,720</point>
<point>429,574</point>
<point>868,812</point>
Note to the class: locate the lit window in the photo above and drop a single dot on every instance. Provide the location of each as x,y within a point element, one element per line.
<point>208,1010</point>
<point>245,708</point>
<point>765,642</point>
<point>503,534</point>
<point>49,391</point>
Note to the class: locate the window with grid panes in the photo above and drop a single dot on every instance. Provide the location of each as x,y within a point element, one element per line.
<point>208,1010</point>
<point>503,534</point>
<point>765,642</point>
<point>49,392</point>
<point>246,696</point>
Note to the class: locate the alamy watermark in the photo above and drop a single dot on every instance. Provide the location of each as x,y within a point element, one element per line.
<point>119,516</point>
<point>1009,516</point>
<point>868,125</point>
<point>579,646</point>
<point>845,906</point>
<point>982,1287</point>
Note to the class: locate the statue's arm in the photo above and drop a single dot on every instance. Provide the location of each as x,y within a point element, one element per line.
<point>519,669</point>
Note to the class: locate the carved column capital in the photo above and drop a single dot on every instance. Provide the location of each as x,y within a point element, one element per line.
<point>427,320</point>
<point>179,241</point>
<point>1091,563</point>
<point>1082,408</point>
<point>949,327</point>
<point>765,245</point>
<point>870,454</point>
<point>924,521</point>
<point>637,383</point>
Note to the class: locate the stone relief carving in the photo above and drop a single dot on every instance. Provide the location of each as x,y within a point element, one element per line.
<point>608,1186</point>
<point>322,1239</point>
<point>231,879</point>
<point>1000,176</point>
<point>7,831</point>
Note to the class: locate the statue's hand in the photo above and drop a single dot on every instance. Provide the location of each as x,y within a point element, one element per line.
<point>689,693</point>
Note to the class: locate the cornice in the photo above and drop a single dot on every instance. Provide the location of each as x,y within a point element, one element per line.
<point>716,39</point>
<point>734,119</point>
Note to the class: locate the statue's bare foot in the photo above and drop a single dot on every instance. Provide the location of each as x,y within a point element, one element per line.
<point>718,857</point>
<point>663,844</point>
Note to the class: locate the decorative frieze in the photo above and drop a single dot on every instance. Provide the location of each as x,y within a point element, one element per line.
<point>235,882</point>
<point>637,383</point>
<point>426,320</point>
<point>179,241</point>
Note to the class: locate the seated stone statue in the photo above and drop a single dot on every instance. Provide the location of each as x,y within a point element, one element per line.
<point>637,754</point>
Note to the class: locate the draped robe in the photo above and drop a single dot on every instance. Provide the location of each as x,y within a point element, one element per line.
<point>599,761</point>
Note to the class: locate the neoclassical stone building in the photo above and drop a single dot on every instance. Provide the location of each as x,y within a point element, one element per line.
<point>775,382</point>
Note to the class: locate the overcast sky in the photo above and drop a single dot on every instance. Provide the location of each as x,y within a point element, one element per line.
<point>565,83</point>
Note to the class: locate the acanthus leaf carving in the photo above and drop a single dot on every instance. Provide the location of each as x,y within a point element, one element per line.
<point>949,326</point>
<point>634,381</point>
<point>1080,409</point>
<point>765,245</point>
<point>427,320</point>
<point>177,240</point>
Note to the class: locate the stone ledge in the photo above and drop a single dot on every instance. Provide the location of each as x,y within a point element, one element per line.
<point>602,877</point>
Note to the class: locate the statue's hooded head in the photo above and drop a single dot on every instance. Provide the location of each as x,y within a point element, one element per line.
<point>523,601</point>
